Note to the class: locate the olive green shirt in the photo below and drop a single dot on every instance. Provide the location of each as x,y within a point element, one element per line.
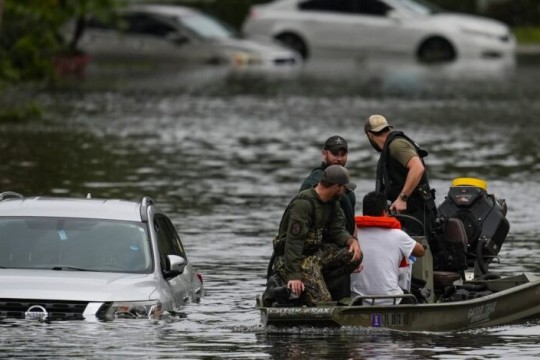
<point>402,151</point>
<point>303,230</point>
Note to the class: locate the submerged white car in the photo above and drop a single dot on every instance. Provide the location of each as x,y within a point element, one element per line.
<point>357,28</point>
<point>91,259</point>
<point>165,35</point>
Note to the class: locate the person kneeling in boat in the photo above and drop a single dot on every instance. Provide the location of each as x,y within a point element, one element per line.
<point>384,245</point>
<point>312,239</point>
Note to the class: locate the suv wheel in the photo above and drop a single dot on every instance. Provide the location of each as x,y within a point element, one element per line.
<point>294,42</point>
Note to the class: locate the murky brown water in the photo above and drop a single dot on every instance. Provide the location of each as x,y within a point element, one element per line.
<point>224,152</point>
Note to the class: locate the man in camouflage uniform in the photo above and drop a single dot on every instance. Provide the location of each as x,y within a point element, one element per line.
<point>335,152</point>
<point>300,254</point>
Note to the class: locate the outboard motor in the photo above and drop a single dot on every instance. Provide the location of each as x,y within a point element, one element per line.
<point>483,216</point>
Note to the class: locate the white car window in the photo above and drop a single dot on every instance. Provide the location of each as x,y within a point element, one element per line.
<point>365,7</point>
<point>419,7</point>
<point>339,6</point>
<point>139,23</point>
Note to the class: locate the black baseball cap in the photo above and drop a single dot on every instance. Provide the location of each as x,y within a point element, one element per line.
<point>335,143</point>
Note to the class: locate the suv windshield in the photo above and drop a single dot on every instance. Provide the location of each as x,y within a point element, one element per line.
<point>74,244</point>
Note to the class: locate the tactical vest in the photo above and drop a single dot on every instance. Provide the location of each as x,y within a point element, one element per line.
<point>347,201</point>
<point>391,175</point>
<point>314,236</point>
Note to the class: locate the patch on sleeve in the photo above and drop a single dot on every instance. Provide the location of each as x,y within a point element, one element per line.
<point>296,228</point>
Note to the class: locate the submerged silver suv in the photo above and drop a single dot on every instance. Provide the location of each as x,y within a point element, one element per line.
<point>83,258</point>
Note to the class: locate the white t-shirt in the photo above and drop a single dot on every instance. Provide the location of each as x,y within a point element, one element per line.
<point>383,249</point>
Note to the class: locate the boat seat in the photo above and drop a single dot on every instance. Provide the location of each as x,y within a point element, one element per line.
<point>455,232</point>
<point>441,279</point>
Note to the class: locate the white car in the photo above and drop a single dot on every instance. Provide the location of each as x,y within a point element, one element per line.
<point>145,35</point>
<point>91,259</point>
<point>357,28</point>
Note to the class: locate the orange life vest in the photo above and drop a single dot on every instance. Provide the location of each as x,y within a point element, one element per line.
<point>377,221</point>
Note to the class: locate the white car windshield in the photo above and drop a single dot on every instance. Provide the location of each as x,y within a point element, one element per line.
<point>207,27</point>
<point>74,244</point>
<point>419,6</point>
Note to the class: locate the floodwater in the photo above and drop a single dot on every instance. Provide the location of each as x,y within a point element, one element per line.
<point>223,152</point>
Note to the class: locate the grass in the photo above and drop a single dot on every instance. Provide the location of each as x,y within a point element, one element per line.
<point>527,34</point>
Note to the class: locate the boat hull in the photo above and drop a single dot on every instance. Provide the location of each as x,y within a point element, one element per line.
<point>516,298</point>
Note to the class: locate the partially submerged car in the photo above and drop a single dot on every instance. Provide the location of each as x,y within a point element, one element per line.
<point>171,35</point>
<point>358,28</point>
<point>91,259</point>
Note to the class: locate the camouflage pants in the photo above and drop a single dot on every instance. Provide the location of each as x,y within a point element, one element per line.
<point>329,259</point>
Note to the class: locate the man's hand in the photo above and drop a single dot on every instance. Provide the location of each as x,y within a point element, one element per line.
<point>354,247</point>
<point>398,206</point>
<point>296,286</point>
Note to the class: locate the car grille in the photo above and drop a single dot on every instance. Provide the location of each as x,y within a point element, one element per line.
<point>56,309</point>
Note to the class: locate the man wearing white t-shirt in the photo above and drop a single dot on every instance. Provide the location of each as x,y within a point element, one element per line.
<point>384,245</point>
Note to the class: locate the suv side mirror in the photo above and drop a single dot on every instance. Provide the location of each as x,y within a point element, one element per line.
<point>175,266</point>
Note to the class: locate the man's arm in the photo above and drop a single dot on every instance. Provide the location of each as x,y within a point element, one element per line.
<point>418,250</point>
<point>354,247</point>
<point>415,170</point>
<point>297,229</point>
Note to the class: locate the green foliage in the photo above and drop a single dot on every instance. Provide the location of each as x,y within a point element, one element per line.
<point>527,35</point>
<point>30,39</point>
<point>31,34</point>
<point>20,113</point>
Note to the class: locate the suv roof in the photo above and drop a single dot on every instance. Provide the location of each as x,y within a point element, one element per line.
<point>72,207</point>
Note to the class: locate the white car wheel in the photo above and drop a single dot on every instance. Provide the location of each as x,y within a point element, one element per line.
<point>294,42</point>
<point>436,49</point>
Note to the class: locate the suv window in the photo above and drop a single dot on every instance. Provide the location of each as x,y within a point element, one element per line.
<point>168,240</point>
<point>367,7</point>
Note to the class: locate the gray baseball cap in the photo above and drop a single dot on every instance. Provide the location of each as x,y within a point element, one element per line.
<point>337,174</point>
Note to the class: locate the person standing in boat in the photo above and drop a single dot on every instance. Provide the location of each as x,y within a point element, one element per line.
<point>401,173</point>
<point>301,255</point>
<point>334,152</point>
<point>384,246</point>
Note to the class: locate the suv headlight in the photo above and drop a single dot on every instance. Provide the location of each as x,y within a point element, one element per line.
<point>135,310</point>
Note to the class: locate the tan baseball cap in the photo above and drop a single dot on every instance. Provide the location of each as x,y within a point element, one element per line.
<point>376,123</point>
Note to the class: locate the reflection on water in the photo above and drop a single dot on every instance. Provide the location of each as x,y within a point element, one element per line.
<point>224,152</point>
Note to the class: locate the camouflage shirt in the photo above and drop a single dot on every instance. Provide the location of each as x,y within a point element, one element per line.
<point>305,222</point>
<point>347,201</point>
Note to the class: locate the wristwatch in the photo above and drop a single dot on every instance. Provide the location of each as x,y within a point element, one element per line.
<point>403,197</point>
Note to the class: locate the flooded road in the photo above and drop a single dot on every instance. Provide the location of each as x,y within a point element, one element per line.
<point>223,152</point>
